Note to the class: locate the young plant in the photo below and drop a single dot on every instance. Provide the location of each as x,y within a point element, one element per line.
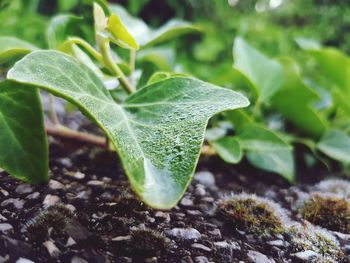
<point>157,130</point>
<point>279,91</point>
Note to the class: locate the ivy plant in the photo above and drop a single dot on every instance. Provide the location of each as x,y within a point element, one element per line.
<point>157,129</point>
<point>278,90</point>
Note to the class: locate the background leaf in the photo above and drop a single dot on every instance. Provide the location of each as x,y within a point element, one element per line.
<point>336,144</point>
<point>267,151</point>
<point>23,145</point>
<point>265,74</point>
<point>335,66</point>
<point>12,47</point>
<point>146,36</point>
<point>58,29</point>
<point>228,148</point>
<point>293,100</point>
<point>158,131</point>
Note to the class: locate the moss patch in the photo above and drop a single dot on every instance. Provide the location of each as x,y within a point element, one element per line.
<point>329,211</point>
<point>252,214</point>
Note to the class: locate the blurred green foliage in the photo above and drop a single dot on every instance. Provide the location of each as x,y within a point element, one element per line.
<point>277,61</point>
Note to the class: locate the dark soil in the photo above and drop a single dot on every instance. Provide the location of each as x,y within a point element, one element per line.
<point>88,213</point>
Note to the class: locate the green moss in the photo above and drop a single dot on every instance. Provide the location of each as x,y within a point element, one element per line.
<point>329,211</point>
<point>308,237</point>
<point>252,214</point>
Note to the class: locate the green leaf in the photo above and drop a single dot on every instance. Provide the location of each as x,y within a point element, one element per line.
<point>120,34</point>
<point>158,131</point>
<point>11,47</point>
<point>335,66</point>
<point>162,57</point>
<point>228,148</point>
<point>23,146</point>
<point>336,144</point>
<point>146,36</point>
<point>58,29</point>
<point>161,75</point>
<point>265,74</point>
<point>294,101</point>
<point>267,151</point>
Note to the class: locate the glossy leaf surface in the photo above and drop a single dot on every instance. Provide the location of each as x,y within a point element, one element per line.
<point>146,36</point>
<point>265,74</point>
<point>228,148</point>
<point>23,145</point>
<point>267,151</point>
<point>294,101</point>
<point>336,144</point>
<point>12,47</point>
<point>158,131</point>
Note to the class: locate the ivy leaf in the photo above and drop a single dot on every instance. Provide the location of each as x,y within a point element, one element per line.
<point>23,145</point>
<point>58,29</point>
<point>120,34</point>
<point>336,144</point>
<point>12,47</point>
<point>228,148</point>
<point>264,74</point>
<point>267,151</point>
<point>294,101</point>
<point>158,131</point>
<point>146,36</point>
<point>335,66</point>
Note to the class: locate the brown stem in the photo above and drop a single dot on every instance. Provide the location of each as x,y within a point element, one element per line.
<point>83,137</point>
<point>63,132</point>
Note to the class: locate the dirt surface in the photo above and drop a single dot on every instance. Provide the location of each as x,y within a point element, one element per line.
<point>88,213</point>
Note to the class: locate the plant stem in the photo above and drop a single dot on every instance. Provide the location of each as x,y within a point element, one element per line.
<point>52,111</point>
<point>87,46</point>
<point>132,60</point>
<point>83,137</point>
<point>64,132</point>
<point>108,61</point>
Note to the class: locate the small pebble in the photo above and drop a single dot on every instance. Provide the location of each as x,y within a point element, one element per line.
<point>70,242</point>
<point>151,260</point>
<point>186,259</point>
<point>55,185</point>
<point>6,228</point>
<point>77,259</point>
<point>15,202</point>
<point>184,233</point>
<point>276,243</point>
<point>258,257</point>
<point>66,162</point>
<point>95,183</point>
<point>24,260</point>
<point>24,189</point>
<point>33,196</point>
<point>52,249</point>
<point>4,259</point>
<point>200,190</point>
<point>164,215</point>
<point>2,218</point>
<point>76,175</point>
<point>194,212</point>
<point>121,238</point>
<point>124,260</point>
<point>306,256</point>
<point>186,202</point>
<point>205,178</point>
<point>201,247</point>
<point>4,192</point>
<point>201,259</point>
<point>51,200</point>
<point>216,233</point>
